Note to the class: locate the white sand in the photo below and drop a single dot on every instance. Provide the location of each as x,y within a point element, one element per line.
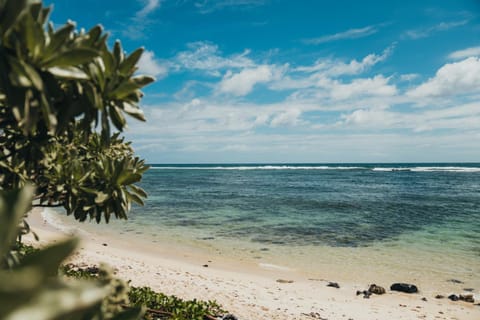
<point>249,291</point>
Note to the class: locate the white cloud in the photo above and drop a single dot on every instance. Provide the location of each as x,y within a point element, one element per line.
<point>242,83</point>
<point>320,74</point>
<point>452,79</point>
<point>409,76</point>
<point>376,86</point>
<point>372,118</point>
<point>426,32</point>
<point>465,53</point>
<point>333,100</point>
<point>338,68</point>
<point>207,57</point>
<point>149,7</point>
<point>148,65</point>
<point>288,117</point>
<point>208,6</point>
<point>349,34</point>
<point>463,117</point>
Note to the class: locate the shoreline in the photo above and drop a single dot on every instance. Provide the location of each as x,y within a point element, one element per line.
<point>248,290</point>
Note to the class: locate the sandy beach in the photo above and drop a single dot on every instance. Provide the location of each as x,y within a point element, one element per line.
<point>250,291</point>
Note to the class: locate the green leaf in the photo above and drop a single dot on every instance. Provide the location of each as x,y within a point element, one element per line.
<point>13,206</point>
<point>117,118</point>
<point>58,39</point>
<point>94,34</point>
<point>59,302</point>
<point>72,57</point>
<point>49,259</point>
<point>139,191</point>
<point>136,199</point>
<point>142,81</point>
<point>9,15</point>
<point>132,313</point>
<point>108,60</point>
<point>123,90</point>
<point>71,73</point>
<point>128,65</point>
<point>127,178</point>
<point>134,111</point>
<point>118,52</point>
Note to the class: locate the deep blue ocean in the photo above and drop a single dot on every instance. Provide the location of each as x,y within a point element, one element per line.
<point>338,205</point>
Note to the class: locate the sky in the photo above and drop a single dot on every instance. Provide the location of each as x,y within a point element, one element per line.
<point>279,81</point>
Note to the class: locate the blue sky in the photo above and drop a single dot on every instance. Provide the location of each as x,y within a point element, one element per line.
<point>300,81</point>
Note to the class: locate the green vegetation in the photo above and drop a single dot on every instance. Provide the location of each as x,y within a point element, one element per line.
<point>62,93</point>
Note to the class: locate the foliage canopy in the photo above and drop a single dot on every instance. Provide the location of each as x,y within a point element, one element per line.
<point>62,92</point>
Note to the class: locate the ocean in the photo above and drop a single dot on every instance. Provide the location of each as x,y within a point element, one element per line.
<point>404,222</point>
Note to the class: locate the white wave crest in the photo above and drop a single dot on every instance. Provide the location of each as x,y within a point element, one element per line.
<point>53,219</point>
<point>429,169</point>
<point>266,167</point>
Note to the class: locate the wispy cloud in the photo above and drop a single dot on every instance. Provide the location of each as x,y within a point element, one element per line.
<point>206,56</point>
<point>149,7</point>
<point>349,34</point>
<point>337,68</point>
<point>139,21</point>
<point>465,53</point>
<point>208,6</point>
<point>426,32</point>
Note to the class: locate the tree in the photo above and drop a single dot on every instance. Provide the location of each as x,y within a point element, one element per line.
<point>61,91</point>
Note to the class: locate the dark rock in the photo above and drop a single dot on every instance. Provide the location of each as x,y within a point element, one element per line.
<point>205,266</point>
<point>424,299</point>
<point>454,281</point>
<point>284,281</point>
<point>468,289</point>
<point>467,298</point>
<point>376,289</point>
<point>104,244</point>
<point>404,287</point>
<point>229,317</point>
<point>453,297</point>
<point>439,296</point>
<point>333,285</point>
<point>366,294</point>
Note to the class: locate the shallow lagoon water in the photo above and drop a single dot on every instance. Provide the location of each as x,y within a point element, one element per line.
<point>416,222</point>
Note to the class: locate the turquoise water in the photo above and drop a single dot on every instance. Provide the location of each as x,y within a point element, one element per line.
<point>358,222</point>
<point>334,205</point>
